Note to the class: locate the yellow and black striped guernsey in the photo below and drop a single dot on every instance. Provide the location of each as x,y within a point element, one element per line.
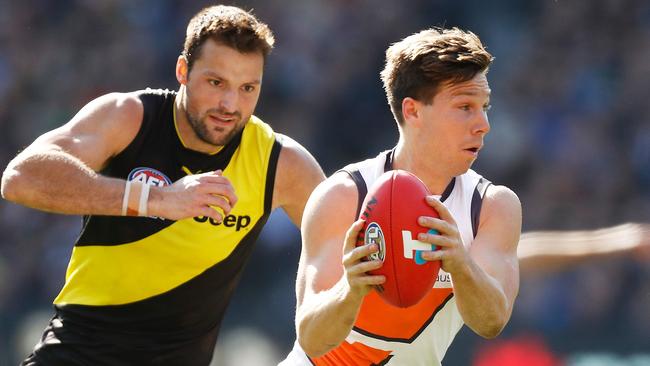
<point>148,291</point>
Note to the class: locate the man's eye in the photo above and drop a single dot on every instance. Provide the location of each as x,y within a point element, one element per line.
<point>249,88</point>
<point>214,82</point>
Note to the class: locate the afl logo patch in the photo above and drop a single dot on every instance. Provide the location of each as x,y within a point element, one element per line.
<point>374,235</point>
<point>149,176</point>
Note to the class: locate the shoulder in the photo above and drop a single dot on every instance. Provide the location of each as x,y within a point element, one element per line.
<point>336,196</point>
<point>338,184</point>
<point>100,130</point>
<point>501,211</point>
<point>116,116</point>
<point>124,105</point>
<point>118,112</point>
<point>128,110</point>
<point>501,201</point>
<point>295,158</point>
<point>109,114</point>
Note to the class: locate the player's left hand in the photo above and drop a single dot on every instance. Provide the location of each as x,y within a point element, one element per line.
<point>451,250</point>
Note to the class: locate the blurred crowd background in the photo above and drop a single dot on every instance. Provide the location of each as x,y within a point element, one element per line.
<point>570,134</point>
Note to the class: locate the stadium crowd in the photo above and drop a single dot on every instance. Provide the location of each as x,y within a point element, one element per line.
<point>570,134</point>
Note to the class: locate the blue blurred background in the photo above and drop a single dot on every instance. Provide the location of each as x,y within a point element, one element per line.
<point>570,134</point>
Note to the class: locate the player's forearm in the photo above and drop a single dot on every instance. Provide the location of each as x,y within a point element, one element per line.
<point>481,301</point>
<point>324,320</point>
<point>56,181</point>
<point>546,251</point>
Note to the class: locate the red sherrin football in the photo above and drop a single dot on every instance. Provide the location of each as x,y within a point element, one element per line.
<point>391,210</point>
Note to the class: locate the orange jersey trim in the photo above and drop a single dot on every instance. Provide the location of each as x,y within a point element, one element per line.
<point>355,354</point>
<point>380,320</point>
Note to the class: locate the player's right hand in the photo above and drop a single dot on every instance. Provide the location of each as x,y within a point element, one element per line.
<point>354,263</point>
<point>207,194</point>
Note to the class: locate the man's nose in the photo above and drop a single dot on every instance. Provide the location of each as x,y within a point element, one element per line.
<point>482,125</point>
<point>228,101</point>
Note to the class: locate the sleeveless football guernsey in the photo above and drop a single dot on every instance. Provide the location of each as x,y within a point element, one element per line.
<point>420,334</point>
<point>151,291</point>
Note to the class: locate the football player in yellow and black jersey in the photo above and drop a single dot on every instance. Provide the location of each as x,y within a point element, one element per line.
<point>174,188</point>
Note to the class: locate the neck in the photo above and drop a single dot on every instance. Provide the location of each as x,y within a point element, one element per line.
<point>408,157</point>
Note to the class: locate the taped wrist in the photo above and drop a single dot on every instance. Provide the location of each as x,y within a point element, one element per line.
<point>136,197</point>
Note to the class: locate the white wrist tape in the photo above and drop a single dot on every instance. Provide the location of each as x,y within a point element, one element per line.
<point>144,198</point>
<point>133,205</point>
<point>125,200</point>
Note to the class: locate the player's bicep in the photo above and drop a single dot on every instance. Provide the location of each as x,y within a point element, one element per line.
<point>100,130</point>
<point>321,269</point>
<point>495,246</point>
<point>298,174</point>
<point>329,212</point>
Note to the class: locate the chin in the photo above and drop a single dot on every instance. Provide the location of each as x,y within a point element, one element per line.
<point>224,137</point>
<point>462,169</point>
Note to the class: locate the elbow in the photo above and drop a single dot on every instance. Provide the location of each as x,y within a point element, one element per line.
<point>10,185</point>
<point>313,346</point>
<point>492,328</point>
<point>491,322</point>
<point>490,332</point>
<point>312,350</point>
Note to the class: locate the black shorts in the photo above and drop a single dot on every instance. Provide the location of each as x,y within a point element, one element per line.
<point>66,344</point>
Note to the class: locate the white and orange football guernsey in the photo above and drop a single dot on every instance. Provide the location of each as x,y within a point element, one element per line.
<point>418,335</point>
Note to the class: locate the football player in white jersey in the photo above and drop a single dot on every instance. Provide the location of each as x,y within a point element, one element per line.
<point>437,88</point>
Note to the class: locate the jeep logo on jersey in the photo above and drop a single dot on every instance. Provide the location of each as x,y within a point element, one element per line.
<point>149,176</point>
<point>238,222</point>
<point>374,235</point>
<point>413,248</point>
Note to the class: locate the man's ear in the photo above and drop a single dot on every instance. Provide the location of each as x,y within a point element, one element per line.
<point>411,111</point>
<point>181,70</point>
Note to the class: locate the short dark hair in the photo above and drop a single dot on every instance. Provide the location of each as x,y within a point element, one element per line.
<point>230,26</point>
<point>417,65</point>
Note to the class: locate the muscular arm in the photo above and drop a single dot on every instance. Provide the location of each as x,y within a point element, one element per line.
<point>57,172</point>
<point>331,279</point>
<point>547,251</point>
<point>486,278</point>
<point>488,289</point>
<point>297,175</point>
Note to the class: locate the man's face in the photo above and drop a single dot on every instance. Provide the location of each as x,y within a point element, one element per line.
<point>455,124</point>
<point>222,90</point>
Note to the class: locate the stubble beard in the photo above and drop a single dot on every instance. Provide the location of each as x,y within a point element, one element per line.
<point>201,130</point>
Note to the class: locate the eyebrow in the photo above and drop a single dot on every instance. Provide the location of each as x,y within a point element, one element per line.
<point>217,76</point>
<point>470,93</point>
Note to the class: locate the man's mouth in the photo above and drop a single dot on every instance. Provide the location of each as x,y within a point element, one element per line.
<point>474,149</point>
<point>223,119</point>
